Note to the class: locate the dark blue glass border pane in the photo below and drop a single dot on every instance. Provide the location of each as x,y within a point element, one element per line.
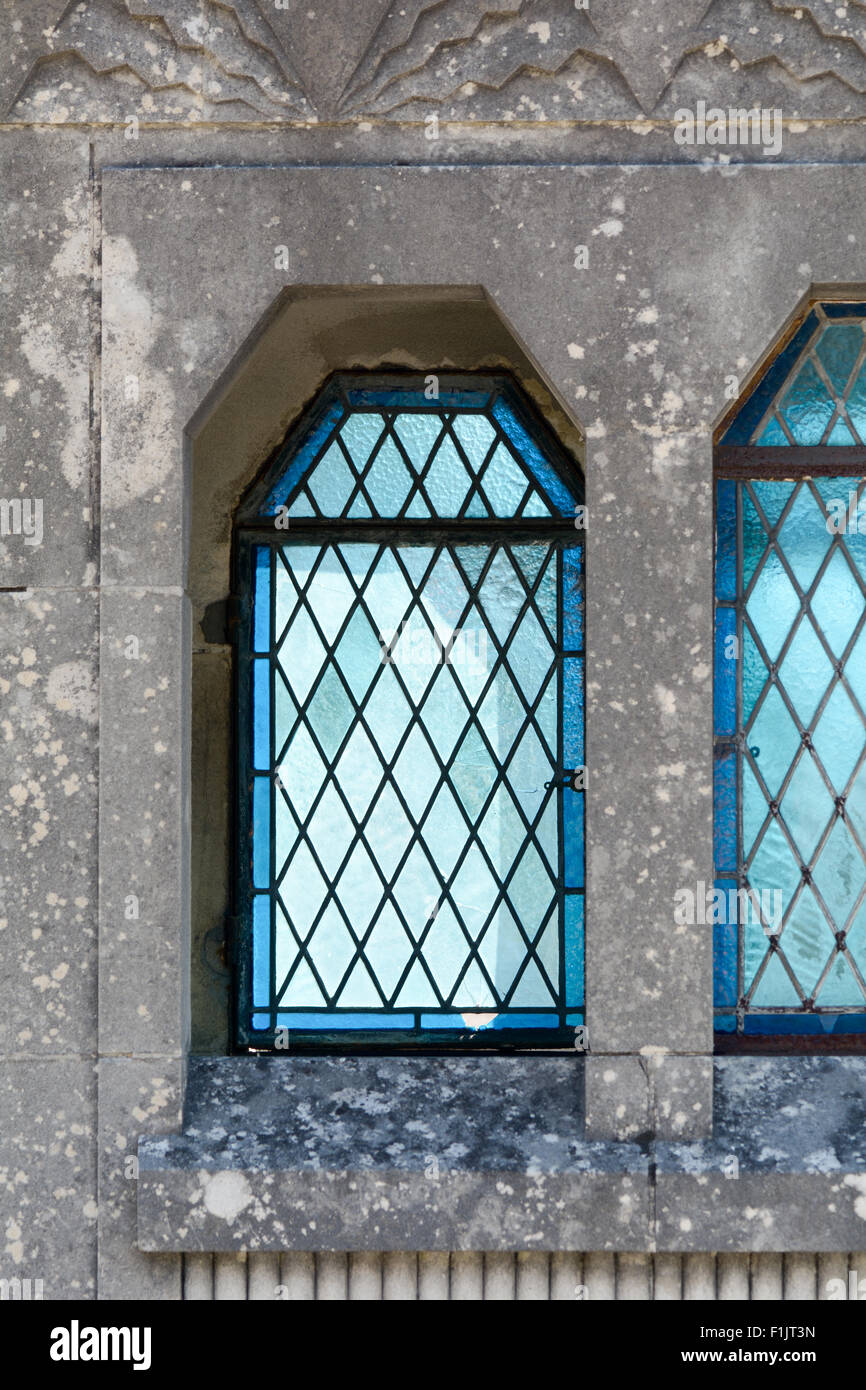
<point>557,493</point>
<point>751,412</point>
<point>726,667</point>
<point>840,310</point>
<point>572,711</point>
<point>726,539</point>
<point>261,950</point>
<point>315,439</point>
<point>725,811</point>
<point>829,1024</point>
<point>574,950</point>
<point>261,832</point>
<point>362,397</point>
<point>572,598</point>
<point>573,836</point>
<point>726,1023</point>
<point>262,599</point>
<point>261,714</point>
<point>331,1022</point>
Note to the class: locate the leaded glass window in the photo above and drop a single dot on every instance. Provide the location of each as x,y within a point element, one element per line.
<point>789,910</point>
<point>411,714</point>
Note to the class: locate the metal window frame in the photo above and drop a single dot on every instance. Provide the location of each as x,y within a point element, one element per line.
<point>253,530</point>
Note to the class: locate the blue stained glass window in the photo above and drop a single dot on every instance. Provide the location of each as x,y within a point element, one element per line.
<point>790,764</point>
<point>411,675</point>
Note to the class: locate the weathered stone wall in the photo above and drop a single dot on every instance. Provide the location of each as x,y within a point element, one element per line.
<point>154,154</point>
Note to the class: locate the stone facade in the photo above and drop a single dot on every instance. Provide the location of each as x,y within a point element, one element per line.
<point>482,186</point>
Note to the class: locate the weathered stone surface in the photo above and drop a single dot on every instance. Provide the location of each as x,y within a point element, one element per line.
<point>46,450</point>
<point>134,1095</point>
<point>402,1153</point>
<point>48,817</point>
<point>144,822</point>
<point>48,1174</point>
<point>786,1166</point>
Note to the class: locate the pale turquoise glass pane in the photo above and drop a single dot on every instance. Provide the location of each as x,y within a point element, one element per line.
<point>388,949</point>
<point>536,506</point>
<point>838,350</point>
<point>302,505</point>
<point>474,891</point>
<point>476,434</point>
<point>807,806</point>
<point>359,889</point>
<point>388,831</point>
<point>773,605</point>
<point>504,482</point>
<point>417,508</point>
<point>417,773</point>
<point>331,948</point>
<point>331,830</point>
<point>330,595</point>
<point>754,674</point>
<point>838,739</point>
<point>476,507</point>
<point>804,537</point>
<point>530,890</point>
<point>301,772</point>
<point>837,603</point>
<point>473,772</point>
<point>445,597</point>
<point>808,406</point>
<point>446,482</point>
<point>331,482</point>
<point>840,434</point>
<point>388,480</point>
<point>285,832</point>
<point>359,771</point>
<point>359,654</point>
<point>839,873</point>
<point>359,509</point>
<point>330,712</point>
<point>774,868</point>
<point>503,832</point>
<point>530,654</point>
<point>302,890</point>
<point>418,434</point>
<point>754,809</point>
<point>806,671</point>
<point>501,714</point>
<point>772,434</point>
<point>840,989</point>
<point>775,988</point>
<point>855,670</point>
<point>445,712</point>
<point>387,712</point>
<point>501,595</point>
<point>772,494</point>
<point>445,949</point>
<point>773,740</point>
<point>360,434</point>
<point>528,769</point>
<point>285,712</point>
<point>301,655</point>
<point>444,831</point>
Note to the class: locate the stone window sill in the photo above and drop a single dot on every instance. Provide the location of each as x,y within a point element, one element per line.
<point>489,1153</point>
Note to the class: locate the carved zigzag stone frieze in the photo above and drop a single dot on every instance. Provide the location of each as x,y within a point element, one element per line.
<point>532,61</point>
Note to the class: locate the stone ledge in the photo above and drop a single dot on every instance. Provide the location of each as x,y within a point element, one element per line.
<point>488,1152</point>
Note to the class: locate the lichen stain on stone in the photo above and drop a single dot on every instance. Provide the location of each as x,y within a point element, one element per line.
<point>71,689</point>
<point>139,399</point>
<point>226,1195</point>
